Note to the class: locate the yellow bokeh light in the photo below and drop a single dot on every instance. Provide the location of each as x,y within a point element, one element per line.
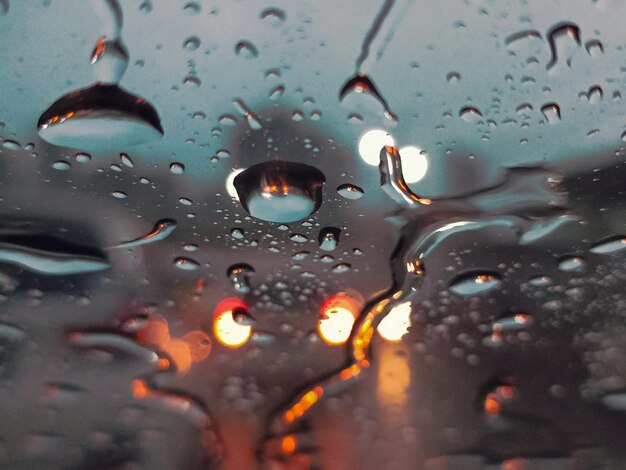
<point>336,325</point>
<point>397,322</point>
<point>230,333</point>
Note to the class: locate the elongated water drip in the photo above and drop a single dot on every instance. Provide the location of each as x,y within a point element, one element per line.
<point>392,181</point>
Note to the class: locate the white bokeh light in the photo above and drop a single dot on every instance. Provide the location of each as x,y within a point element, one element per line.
<point>230,187</point>
<point>414,163</point>
<point>371,143</point>
<point>397,322</point>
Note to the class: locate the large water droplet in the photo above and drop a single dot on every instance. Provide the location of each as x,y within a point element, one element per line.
<point>53,263</point>
<point>99,118</point>
<point>279,191</point>
<point>475,283</point>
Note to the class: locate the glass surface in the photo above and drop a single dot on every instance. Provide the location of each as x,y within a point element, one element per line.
<point>435,277</point>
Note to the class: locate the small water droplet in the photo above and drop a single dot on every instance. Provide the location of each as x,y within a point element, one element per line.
<point>474,283</point>
<point>329,238</point>
<point>540,281</point>
<point>126,161</point>
<point>192,8</point>
<point>246,49</point>
<point>119,194</point>
<point>186,264</point>
<point>275,15</point>
<point>61,165</point>
<point>192,81</point>
<point>341,268</point>
<point>82,157</point>
<point>453,77</point>
<point>301,255</point>
<point>573,263</point>
<point>185,201</point>
<point>237,233</point>
<point>177,168</point>
<point>610,245</point>
<point>594,48</point>
<point>11,145</point>
<point>239,275</point>
<point>350,191</point>
<point>470,114</point>
<point>192,43</point>
<point>552,113</point>
<point>298,238</point>
<point>277,92</point>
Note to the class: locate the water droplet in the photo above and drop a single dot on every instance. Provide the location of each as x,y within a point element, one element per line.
<point>552,113</point>
<point>11,145</point>
<point>279,191</point>
<point>329,238</point>
<point>277,92</point>
<point>192,81</point>
<point>341,268</point>
<point>239,275</point>
<point>540,281</point>
<point>526,34</point>
<point>298,238</point>
<point>185,201</point>
<point>453,77</point>
<point>227,120</point>
<point>362,84</point>
<point>564,40</point>
<point>513,322</point>
<point>192,43</point>
<point>177,168</point>
<point>350,191</point>
<point>470,114</point>
<point>109,60</point>
<point>82,157</point>
<point>161,230</point>
<point>119,194</point>
<point>61,165</point>
<point>594,48</point>
<point>253,120</point>
<point>222,154</point>
<point>54,263</point>
<point>126,161</point>
<point>474,283</point>
<point>610,245</point>
<point>573,263</point>
<point>237,233</point>
<point>246,49</point>
<point>186,264</point>
<point>275,15</point>
<point>300,256</point>
<point>99,118</point>
<point>192,8</point>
